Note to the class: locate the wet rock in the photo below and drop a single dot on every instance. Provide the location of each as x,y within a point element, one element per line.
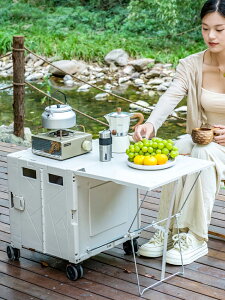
<point>123,79</point>
<point>117,56</point>
<point>138,82</point>
<point>108,86</point>
<point>128,70</point>
<point>39,63</point>
<point>34,77</point>
<point>162,88</point>
<point>101,96</point>
<point>151,94</point>
<point>68,66</point>
<point>152,74</point>
<point>141,64</point>
<point>156,81</point>
<point>67,77</point>
<point>84,88</point>
<point>69,83</point>
<point>137,107</point>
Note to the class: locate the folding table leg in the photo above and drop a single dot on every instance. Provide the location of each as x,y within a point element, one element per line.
<point>168,219</point>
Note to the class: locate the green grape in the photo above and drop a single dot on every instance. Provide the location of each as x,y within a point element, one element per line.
<point>144,149</point>
<point>150,149</point>
<point>150,143</point>
<point>147,144</point>
<point>170,141</point>
<point>140,144</point>
<point>153,153</point>
<point>131,159</point>
<point>165,151</point>
<point>136,153</point>
<point>158,151</point>
<point>127,151</point>
<point>131,155</point>
<point>155,139</point>
<point>131,148</point>
<point>155,145</point>
<point>144,141</point>
<point>136,148</point>
<point>169,146</point>
<point>141,152</point>
<point>146,154</point>
<point>174,154</point>
<point>175,148</point>
<point>160,145</point>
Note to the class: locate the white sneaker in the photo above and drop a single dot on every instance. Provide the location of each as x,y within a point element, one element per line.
<point>154,248</point>
<point>191,249</point>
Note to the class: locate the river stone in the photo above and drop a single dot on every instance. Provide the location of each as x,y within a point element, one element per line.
<point>162,88</point>
<point>128,70</point>
<point>141,64</point>
<point>101,96</point>
<point>156,81</point>
<point>138,82</point>
<point>38,63</point>
<point>69,83</point>
<point>67,77</point>
<point>84,88</point>
<point>152,74</point>
<point>34,77</point>
<point>151,94</point>
<point>69,66</point>
<point>136,106</point>
<point>123,79</point>
<point>117,56</point>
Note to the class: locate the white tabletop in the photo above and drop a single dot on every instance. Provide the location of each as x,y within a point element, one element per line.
<point>117,170</point>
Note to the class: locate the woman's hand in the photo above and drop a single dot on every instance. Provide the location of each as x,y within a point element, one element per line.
<point>145,130</point>
<point>219,134</point>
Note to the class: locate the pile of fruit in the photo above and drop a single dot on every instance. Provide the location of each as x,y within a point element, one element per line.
<point>152,152</point>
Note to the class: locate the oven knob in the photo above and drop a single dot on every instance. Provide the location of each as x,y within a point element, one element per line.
<point>86,145</point>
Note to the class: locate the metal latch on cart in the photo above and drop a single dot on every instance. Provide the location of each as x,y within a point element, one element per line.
<point>18,202</point>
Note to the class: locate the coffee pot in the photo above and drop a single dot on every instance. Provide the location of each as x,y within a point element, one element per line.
<point>119,124</point>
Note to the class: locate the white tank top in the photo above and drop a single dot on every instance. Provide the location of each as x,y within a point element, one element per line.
<point>214,107</point>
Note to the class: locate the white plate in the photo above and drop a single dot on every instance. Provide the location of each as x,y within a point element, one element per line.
<point>169,164</point>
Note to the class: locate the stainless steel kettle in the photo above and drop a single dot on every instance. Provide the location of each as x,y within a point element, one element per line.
<point>58,116</point>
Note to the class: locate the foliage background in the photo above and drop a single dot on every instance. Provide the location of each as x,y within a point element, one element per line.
<point>89,29</point>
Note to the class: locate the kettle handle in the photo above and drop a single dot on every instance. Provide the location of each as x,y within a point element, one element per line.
<point>141,118</point>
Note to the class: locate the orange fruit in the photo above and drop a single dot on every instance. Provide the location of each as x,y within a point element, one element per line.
<point>150,160</point>
<point>161,159</point>
<point>139,159</point>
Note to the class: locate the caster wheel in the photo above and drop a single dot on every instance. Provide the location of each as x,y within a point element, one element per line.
<point>74,272</point>
<point>13,253</point>
<point>80,271</point>
<point>127,246</point>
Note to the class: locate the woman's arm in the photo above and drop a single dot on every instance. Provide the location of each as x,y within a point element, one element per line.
<point>166,104</point>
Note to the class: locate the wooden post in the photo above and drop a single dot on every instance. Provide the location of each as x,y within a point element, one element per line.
<point>18,85</point>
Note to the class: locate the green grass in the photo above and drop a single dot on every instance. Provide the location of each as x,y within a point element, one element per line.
<point>82,33</point>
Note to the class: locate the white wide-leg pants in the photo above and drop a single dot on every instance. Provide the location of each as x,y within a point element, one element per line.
<point>196,213</point>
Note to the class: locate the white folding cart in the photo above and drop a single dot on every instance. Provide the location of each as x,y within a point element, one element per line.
<point>77,208</point>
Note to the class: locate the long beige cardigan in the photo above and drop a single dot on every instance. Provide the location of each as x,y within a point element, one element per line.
<point>187,81</point>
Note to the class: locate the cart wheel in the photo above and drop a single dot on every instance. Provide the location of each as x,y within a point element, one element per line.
<point>80,271</point>
<point>13,253</point>
<point>71,272</point>
<point>16,253</point>
<point>127,247</point>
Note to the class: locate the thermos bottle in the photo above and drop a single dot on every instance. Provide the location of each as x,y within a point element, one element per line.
<point>105,145</point>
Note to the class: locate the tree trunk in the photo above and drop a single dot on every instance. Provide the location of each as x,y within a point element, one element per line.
<point>18,85</point>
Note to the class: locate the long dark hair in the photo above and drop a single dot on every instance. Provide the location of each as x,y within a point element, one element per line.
<point>211,6</point>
